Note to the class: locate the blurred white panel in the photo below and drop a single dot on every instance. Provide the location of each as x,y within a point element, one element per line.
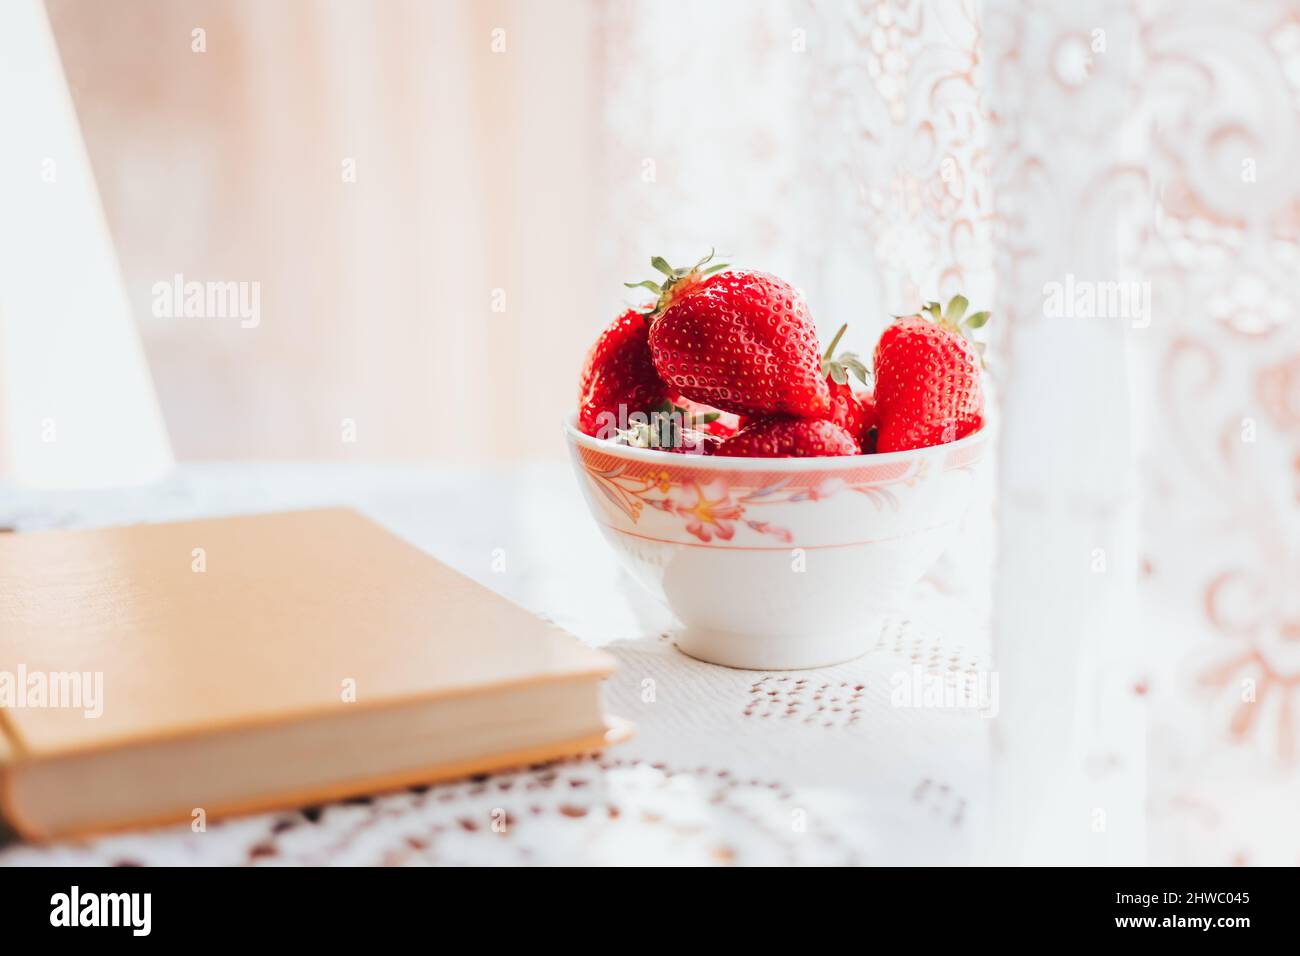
<point>77,406</point>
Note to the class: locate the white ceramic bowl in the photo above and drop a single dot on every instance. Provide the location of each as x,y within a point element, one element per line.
<point>777,563</point>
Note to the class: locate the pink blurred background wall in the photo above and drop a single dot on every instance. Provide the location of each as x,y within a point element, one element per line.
<point>471,170</point>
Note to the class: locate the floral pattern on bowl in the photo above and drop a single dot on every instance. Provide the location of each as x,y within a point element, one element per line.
<point>712,503</point>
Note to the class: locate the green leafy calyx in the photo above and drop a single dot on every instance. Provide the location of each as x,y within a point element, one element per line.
<point>665,427</point>
<point>675,281</point>
<point>953,317</point>
<point>838,367</point>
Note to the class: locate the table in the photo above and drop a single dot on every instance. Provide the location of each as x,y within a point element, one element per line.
<point>826,766</point>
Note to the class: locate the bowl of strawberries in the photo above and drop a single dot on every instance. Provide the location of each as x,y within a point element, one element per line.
<point>779,510</point>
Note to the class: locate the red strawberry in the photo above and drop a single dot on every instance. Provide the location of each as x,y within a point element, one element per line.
<point>739,341</point>
<point>928,378</point>
<point>867,402</point>
<point>710,420</point>
<point>855,412</point>
<point>789,438</point>
<point>618,372</point>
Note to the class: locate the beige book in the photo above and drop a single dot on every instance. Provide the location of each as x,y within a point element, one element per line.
<point>155,672</point>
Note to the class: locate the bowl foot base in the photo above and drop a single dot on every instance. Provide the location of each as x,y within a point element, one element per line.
<point>774,652</point>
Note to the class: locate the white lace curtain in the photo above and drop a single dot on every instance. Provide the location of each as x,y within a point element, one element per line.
<point>1150,536</point>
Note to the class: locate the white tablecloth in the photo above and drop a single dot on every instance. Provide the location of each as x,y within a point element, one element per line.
<point>728,766</point>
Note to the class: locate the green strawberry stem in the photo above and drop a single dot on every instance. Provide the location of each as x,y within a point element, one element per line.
<point>830,349</point>
<point>839,367</point>
<point>674,280</point>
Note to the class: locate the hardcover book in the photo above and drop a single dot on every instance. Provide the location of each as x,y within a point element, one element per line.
<point>156,673</point>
